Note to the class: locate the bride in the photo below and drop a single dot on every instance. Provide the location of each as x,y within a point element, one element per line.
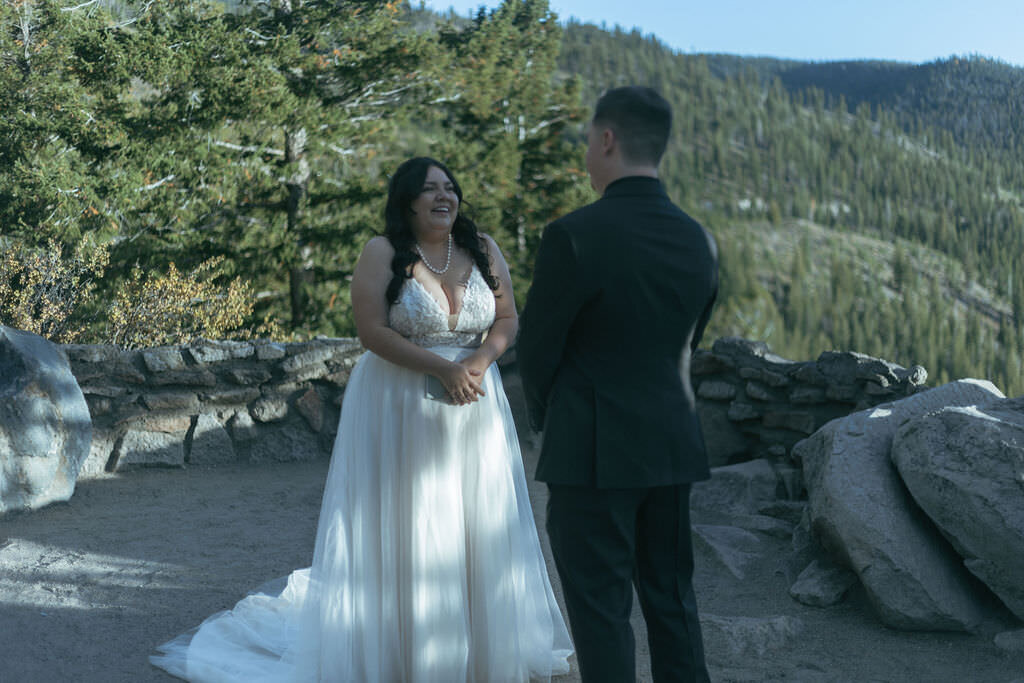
<point>427,564</point>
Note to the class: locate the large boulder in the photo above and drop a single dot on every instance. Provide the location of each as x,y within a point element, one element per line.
<point>861,512</point>
<point>965,468</point>
<point>45,429</point>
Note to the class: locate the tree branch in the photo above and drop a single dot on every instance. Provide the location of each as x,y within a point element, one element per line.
<point>87,3</point>
<point>251,149</point>
<point>153,186</point>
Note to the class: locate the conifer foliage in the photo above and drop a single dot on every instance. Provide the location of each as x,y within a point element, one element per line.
<point>870,206</point>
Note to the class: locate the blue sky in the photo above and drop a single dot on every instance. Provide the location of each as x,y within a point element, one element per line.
<point>818,30</point>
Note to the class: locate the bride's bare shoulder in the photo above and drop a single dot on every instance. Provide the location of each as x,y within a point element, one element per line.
<point>377,252</point>
<point>379,246</point>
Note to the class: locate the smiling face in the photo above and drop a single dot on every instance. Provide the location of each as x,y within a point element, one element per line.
<point>434,210</point>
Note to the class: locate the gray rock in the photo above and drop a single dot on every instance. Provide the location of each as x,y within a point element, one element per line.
<point>45,427</point>
<point>98,405</point>
<point>797,421</point>
<point>733,548</point>
<point>206,351</point>
<point>744,488</point>
<point>90,353</point>
<point>877,389</point>
<point>791,477</point>
<point>163,359</point>
<point>789,511</point>
<point>103,364</point>
<point>822,584</point>
<point>807,395</point>
<point>210,443</point>
<point>759,392</point>
<point>706,363</point>
<point>249,376</point>
<point>284,443</point>
<point>107,391</point>
<point>1011,641</point>
<point>737,347</point>
<point>741,412</point>
<point>752,636</point>
<point>774,379</point>
<point>308,372</point>
<point>170,422</point>
<point>185,401</point>
<point>965,468</point>
<point>311,408</point>
<point>339,378</point>
<point>231,397</point>
<point>917,375</point>
<point>103,442</point>
<point>315,357</point>
<point>805,549</point>
<point>724,442</point>
<point>145,447</point>
<point>846,367</point>
<point>765,524</point>
<point>189,377</point>
<point>808,373</point>
<point>242,427</point>
<point>750,373</point>
<point>269,409</point>
<point>845,393</point>
<point>270,351</point>
<point>716,391</point>
<point>861,511</point>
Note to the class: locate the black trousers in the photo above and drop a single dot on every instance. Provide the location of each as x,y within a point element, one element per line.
<point>604,542</point>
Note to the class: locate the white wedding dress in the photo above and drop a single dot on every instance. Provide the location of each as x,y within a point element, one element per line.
<point>427,565</point>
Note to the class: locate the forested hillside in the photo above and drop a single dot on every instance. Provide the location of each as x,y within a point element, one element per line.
<point>872,213</point>
<point>870,206</point>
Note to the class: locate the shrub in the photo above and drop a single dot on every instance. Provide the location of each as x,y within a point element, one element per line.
<point>154,309</point>
<point>40,289</point>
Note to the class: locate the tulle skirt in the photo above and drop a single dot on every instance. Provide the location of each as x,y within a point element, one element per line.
<point>427,565</point>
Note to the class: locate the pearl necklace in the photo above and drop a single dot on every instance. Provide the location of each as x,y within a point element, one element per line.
<point>447,263</point>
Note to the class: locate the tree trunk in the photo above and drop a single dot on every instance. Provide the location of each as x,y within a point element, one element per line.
<point>300,274</point>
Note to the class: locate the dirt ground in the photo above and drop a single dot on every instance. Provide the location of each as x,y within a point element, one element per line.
<point>88,588</point>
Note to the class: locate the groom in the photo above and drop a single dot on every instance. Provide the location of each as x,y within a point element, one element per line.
<point>622,291</point>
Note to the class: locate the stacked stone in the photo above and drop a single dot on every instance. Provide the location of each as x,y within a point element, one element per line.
<point>753,403</point>
<point>212,402</point>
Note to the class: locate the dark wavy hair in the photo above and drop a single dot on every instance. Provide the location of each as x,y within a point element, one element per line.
<point>404,187</point>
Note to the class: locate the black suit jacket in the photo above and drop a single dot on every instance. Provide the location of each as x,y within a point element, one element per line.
<point>622,290</point>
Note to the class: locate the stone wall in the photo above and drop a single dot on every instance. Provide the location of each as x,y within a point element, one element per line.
<point>755,404</point>
<point>212,402</point>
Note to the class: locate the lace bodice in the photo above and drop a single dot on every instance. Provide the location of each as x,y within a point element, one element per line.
<point>418,316</point>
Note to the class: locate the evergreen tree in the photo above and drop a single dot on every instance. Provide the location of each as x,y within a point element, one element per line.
<point>510,127</point>
<point>257,134</point>
<point>60,132</point>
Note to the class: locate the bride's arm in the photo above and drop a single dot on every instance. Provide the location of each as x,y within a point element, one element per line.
<point>506,320</point>
<point>370,311</point>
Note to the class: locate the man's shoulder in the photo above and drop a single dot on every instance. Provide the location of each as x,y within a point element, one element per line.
<point>578,218</point>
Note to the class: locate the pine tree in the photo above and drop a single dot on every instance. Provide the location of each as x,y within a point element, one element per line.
<point>510,127</point>
<point>60,138</point>
<point>257,133</point>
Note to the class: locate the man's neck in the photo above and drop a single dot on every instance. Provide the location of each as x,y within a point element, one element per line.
<point>631,172</point>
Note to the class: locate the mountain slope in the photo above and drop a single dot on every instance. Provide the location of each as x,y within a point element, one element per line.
<point>925,158</point>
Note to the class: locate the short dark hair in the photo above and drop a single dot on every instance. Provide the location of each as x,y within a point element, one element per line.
<point>641,120</point>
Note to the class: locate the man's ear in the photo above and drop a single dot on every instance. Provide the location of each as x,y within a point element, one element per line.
<point>608,140</point>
